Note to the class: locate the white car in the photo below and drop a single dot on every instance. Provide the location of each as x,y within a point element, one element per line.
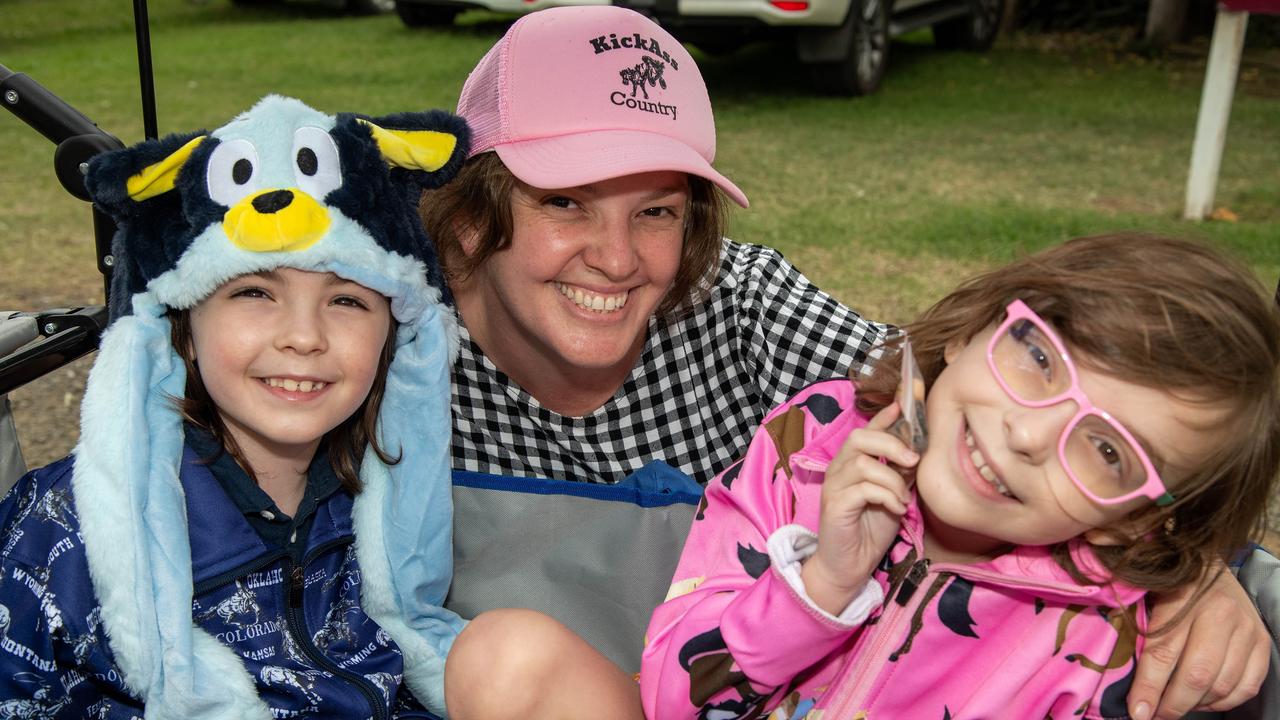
<point>845,42</point>
<point>355,7</point>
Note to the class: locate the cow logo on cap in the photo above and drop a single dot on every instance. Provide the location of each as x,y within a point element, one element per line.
<point>646,72</point>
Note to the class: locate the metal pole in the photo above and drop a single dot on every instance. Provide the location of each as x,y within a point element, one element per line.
<point>145,76</point>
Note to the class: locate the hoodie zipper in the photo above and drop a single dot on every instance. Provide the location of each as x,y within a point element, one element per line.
<point>855,682</point>
<point>294,588</point>
<point>294,578</point>
<point>851,695</point>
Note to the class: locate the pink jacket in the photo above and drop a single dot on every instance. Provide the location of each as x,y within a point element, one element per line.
<point>1011,638</point>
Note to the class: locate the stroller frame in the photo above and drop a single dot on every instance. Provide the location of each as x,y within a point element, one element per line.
<point>33,344</point>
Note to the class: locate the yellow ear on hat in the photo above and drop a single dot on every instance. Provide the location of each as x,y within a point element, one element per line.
<point>427,150</point>
<point>158,178</point>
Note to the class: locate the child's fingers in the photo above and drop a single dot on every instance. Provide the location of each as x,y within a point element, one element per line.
<point>883,419</point>
<point>864,470</point>
<point>877,444</point>
<point>870,494</point>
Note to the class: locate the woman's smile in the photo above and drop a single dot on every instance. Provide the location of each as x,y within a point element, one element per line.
<point>591,300</point>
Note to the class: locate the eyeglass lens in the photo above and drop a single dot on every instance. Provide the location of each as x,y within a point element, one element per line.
<point>1096,452</point>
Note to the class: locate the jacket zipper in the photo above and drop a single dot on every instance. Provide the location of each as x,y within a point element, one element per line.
<point>296,623</point>
<point>854,683</point>
<point>846,701</point>
<point>294,578</point>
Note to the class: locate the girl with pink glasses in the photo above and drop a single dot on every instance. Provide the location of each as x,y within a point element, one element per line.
<point>1103,421</point>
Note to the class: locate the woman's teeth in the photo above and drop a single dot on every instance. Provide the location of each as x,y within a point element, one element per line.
<point>305,386</point>
<point>980,462</point>
<point>593,301</point>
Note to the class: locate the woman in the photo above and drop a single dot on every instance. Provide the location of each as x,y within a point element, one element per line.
<point>607,324</point>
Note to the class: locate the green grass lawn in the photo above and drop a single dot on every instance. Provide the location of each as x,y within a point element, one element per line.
<point>960,161</point>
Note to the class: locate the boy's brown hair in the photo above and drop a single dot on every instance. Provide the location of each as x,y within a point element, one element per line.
<point>345,444</point>
<point>1163,313</point>
<point>478,201</point>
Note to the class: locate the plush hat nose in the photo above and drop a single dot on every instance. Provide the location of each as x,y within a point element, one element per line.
<point>282,220</point>
<point>271,202</point>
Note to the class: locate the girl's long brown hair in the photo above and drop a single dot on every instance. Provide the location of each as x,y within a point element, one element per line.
<point>1169,314</point>
<point>345,444</point>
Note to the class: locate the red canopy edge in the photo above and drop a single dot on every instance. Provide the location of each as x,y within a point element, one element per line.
<point>1269,7</point>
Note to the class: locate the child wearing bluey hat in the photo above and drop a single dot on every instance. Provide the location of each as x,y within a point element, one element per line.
<point>256,520</point>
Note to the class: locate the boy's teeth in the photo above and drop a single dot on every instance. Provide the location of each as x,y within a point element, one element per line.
<point>290,385</point>
<point>593,301</point>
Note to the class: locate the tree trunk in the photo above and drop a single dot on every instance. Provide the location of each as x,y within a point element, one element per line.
<point>1165,21</point>
<point>1009,17</point>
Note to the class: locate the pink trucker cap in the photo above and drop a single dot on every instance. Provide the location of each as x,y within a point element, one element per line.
<point>576,95</point>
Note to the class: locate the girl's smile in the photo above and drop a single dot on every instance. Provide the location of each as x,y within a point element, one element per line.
<point>978,469</point>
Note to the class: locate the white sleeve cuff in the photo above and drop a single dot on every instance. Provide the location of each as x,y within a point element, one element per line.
<point>789,547</point>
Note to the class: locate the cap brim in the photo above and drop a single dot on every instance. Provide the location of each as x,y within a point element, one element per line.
<point>582,158</point>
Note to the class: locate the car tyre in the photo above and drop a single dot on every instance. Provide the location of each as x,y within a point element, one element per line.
<point>422,15</point>
<point>370,7</point>
<point>862,68</point>
<point>975,31</point>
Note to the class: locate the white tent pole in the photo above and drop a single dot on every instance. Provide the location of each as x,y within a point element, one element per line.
<point>1215,110</point>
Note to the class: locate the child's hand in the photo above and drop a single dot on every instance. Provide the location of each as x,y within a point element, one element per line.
<point>863,500</point>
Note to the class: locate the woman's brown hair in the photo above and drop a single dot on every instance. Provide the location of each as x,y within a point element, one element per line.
<point>478,201</point>
<point>345,444</point>
<point>1163,313</point>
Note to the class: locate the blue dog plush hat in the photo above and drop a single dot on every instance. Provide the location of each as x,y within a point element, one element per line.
<point>281,185</point>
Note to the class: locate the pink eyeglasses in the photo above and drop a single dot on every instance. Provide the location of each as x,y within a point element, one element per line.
<point>1100,456</point>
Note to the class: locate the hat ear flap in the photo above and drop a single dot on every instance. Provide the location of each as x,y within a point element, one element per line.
<point>431,146</point>
<point>119,180</point>
<point>159,177</point>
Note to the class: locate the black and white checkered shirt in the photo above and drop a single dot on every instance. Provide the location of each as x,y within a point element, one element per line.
<point>696,395</point>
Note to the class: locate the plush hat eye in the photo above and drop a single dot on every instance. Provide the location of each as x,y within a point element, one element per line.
<point>315,162</point>
<point>233,171</point>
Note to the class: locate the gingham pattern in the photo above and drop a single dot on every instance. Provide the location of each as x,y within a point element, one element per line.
<point>702,384</point>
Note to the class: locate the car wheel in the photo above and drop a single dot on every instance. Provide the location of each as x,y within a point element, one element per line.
<point>370,7</point>
<point>862,68</point>
<point>975,31</point>
<point>421,15</point>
